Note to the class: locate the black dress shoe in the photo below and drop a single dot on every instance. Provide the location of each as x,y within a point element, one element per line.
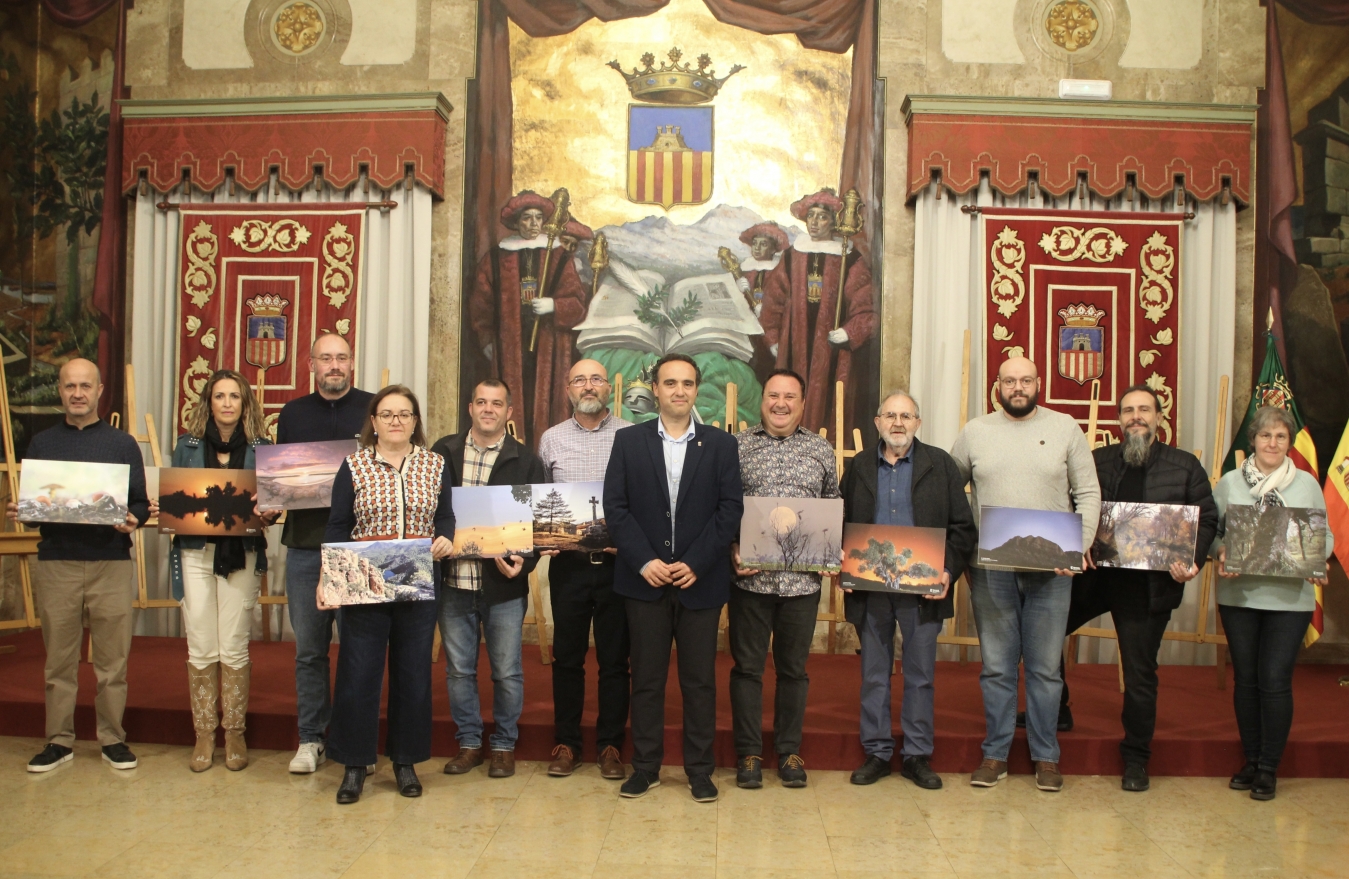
<point>1135,777</point>
<point>353,782</point>
<point>917,770</point>
<point>871,771</point>
<point>406,778</point>
<point>1244,778</point>
<point>1262,787</point>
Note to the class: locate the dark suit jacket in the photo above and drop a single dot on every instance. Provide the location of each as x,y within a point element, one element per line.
<point>515,465</point>
<point>938,502</point>
<point>1174,476</point>
<point>707,511</point>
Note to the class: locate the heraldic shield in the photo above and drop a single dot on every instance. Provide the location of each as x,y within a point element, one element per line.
<point>1081,343</point>
<point>669,155</point>
<point>266,339</point>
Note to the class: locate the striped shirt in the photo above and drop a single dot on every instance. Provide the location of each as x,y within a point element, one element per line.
<point>572,452</point>
<point>478,464</point>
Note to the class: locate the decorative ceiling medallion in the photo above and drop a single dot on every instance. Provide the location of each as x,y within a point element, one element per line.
<point>298,27</point>
<point>1072,25</point>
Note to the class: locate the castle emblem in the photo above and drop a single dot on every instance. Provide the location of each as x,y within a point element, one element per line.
<point>1081,343</point>
<point>266,338</point>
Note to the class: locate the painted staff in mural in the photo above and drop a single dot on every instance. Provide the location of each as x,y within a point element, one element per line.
<point>511,298</point>
<point>804,326</point>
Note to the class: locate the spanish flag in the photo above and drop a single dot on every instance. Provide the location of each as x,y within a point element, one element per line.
<point>1273,389</point>
<point>1337,499</point>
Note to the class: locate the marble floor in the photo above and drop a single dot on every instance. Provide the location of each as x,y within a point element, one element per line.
<point>86,819</point>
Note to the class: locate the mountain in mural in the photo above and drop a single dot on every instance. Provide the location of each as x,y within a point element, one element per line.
<point>656,244</point>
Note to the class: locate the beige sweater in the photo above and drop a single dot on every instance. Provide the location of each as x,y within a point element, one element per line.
<point>1041,463</point>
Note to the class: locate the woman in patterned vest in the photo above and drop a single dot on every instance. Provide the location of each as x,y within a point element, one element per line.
<point>393,488</point>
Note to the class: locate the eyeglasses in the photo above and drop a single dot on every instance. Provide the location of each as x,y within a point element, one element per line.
<point>1026,382</point>
<point>581,381</point>
<point>391,417</point>
<point>1266,437</point>
<point>329,359</point>
<point>891,417</point>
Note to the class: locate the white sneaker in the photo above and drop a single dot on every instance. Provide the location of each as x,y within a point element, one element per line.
<point>308,759</point>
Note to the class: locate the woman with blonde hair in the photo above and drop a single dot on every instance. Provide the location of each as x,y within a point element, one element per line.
<point>217,579</point>
<point>392,488</point>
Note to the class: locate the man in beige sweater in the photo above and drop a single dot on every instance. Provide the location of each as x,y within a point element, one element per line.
<point>1033,458</point>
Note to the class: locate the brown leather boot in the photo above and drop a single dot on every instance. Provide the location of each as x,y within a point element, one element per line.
<point>234,684</point>
<point>503,764</point>
<point>564,762</point>
<point>201,689</point>
<point>464,761</point>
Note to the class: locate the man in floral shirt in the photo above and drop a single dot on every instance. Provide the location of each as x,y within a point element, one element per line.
<point>778,458</point>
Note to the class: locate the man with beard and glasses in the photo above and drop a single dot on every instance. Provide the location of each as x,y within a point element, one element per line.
<point>1140,470</point>
<point>335,411</point>
<point>1028,457</point>
<point>581,585</point>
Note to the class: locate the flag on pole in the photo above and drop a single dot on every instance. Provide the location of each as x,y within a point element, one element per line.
<point>1272,389</point>
<point>1337,499</point>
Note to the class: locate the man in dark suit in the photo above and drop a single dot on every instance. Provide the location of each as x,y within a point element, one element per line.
<point>1141,470</point>
<point>486,596</point>
<point>904,482</point>
<point>673,499</point>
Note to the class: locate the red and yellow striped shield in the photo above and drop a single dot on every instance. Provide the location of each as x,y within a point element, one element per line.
<point>669,155</point>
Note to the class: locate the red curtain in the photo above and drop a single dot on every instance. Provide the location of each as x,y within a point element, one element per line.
<point>829,25</point>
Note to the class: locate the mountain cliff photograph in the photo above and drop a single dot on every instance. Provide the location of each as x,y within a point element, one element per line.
<point>201,501</point>
<point>1276,541</point>
<point>377,572</point>
<point>1014,539</point>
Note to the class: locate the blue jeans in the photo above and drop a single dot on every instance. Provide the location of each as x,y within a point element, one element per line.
<point>463,615</point>
<point>313,636</point>
<point>877,636</point>
<point>1021,617</point>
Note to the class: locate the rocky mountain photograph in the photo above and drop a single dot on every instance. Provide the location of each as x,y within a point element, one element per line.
<point>1014,539</point>
<point>377,572</point>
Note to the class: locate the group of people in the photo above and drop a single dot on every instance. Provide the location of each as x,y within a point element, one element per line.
<point>673,497</point>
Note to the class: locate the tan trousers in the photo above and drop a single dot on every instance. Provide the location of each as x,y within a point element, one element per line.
<point>63,591</point>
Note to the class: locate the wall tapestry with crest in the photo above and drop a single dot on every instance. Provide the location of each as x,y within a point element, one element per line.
<point>257,284</point>
<point>1087,296</point>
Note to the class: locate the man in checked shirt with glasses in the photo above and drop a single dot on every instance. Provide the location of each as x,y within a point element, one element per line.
<point>778,458</point>
<point>581,585</point>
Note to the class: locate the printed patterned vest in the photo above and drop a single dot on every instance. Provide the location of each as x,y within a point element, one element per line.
<point>393,505</point>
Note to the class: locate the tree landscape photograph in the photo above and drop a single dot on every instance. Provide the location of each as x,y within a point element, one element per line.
<point>493,521</point>
<point>377,572</point>
<point>73,492</point>
<point>299,476</point>
<point>893,558</point>
<point>1145,537</point>
<point>569,516</point>
<point>1015,539</point>
<point>792,534</point>
<point>201,501</point>
<point>1276,541</point>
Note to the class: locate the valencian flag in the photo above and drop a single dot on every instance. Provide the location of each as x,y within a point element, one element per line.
<point>669,155</point>
<point>1273,390</point>
<point>1337,499</point>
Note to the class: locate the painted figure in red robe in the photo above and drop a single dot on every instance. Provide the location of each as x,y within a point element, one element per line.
<point>799,305</point>
<point>508,299</point>
<point>766,242</point>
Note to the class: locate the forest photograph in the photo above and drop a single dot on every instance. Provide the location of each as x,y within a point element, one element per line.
<point>1145,537</point>
<point>1276,541</point>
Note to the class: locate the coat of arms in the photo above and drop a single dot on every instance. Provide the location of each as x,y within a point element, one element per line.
<point>266,338</point>
<point>1081,343</point>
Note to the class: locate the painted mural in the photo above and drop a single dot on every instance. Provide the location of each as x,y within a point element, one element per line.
<point>675,188</point>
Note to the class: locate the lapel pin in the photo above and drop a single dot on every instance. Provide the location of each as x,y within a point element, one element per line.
<point>700,444</point>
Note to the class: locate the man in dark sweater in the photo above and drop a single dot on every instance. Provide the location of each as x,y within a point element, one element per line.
<point>86,568</point>
<point>335,411</point>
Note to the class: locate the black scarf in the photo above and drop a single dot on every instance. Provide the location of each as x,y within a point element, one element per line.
<point>229,551</point>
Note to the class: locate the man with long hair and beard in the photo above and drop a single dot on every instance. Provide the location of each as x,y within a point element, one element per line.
<point>1140,470</point>
<point>1028,457</point>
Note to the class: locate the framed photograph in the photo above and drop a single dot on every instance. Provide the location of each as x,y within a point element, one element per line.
<point>73,492</point>
<point>493,521</point>
<point>1145,537</point>
<point>570,516</point>
<point>376,572</point>
<point>205,502</point>
<point>1275,542</point>
<point>792,534</point>
<point>299,476</point>
<point>893,558</point>
<point>1015,539</point>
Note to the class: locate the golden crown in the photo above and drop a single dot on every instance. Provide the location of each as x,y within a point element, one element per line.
<point>674,83</point>
<point>1081,315</point>
<point>267,305</point>
<point>644,379</point>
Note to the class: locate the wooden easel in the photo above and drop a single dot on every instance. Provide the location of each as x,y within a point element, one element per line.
<point>20,541</point>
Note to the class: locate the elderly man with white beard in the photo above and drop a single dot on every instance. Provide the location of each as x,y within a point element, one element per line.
<point>1140,470</point>
<point>581,585</point>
